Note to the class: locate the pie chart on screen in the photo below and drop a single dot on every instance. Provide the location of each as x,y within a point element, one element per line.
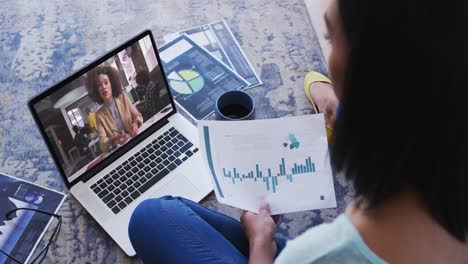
<point>186,81</point>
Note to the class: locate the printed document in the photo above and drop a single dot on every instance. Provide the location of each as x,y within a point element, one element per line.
<point>284,162</point>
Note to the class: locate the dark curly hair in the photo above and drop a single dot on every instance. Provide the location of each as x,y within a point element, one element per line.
<point>400,124</point>
<point>92,82</point>
<point>143,77</point>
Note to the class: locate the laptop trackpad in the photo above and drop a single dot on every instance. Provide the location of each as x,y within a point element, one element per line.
<point>179,186</point>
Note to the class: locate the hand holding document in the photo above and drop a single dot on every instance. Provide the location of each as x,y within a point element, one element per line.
<point>284,162</point>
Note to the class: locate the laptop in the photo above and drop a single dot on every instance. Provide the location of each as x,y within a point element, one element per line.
<point>115,151</point>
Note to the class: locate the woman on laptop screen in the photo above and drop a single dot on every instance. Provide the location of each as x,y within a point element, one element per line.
<point>117,119</point>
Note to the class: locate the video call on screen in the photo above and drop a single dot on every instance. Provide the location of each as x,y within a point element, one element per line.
<point>95,114</point>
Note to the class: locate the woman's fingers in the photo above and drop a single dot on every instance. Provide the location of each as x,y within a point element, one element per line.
<point>134,130</point>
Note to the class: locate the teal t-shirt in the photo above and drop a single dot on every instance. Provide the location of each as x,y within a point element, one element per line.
<point>336,242</point>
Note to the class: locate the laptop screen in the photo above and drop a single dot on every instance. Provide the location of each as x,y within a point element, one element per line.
<point>90,117</point>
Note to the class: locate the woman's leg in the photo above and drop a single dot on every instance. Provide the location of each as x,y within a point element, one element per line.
<point>166,230</point>
<point>230,228</point>
<point>170,228</point>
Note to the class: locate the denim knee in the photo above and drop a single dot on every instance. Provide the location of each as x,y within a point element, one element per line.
<point>143,212</point>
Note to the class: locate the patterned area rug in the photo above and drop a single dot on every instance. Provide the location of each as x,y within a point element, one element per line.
<point>44,41</point>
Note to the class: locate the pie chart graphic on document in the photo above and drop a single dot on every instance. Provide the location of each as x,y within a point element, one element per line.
<point>186,81</point>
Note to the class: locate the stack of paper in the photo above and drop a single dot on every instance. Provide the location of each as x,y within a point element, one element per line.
<point>202,63</point>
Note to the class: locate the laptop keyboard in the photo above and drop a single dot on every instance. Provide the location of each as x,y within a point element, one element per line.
<point>141,171</point>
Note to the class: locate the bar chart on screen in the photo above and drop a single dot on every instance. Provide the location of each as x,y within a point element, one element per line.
<point>289,163</point>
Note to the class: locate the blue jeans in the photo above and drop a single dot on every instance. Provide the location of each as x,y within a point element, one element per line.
<point>173,229</point>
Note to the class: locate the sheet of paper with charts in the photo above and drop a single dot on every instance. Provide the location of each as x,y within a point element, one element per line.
<point>284,162</point>
<point>195,77</point>
<point>218,39</point>
<point>22,231</point>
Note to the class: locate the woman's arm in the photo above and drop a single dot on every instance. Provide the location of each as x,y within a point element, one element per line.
<point>103,138</point>
<point>135,116</point>
<point>106,133</point>
<point>262,252</point>
<point>260,230</point>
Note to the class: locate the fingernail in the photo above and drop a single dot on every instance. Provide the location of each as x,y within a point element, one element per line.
<point>265,205</point>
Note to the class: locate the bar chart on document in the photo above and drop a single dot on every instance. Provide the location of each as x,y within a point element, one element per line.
<point>284,162</point>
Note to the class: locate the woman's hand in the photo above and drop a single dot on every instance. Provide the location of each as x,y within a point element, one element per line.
<point>134,129</point>
<point>121,138</point>
<point>260,230</point>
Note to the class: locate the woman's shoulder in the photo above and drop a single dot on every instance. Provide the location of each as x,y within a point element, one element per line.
<point>122,99</point>
<point>316,241</point>
<point>121,96</point>
<point>327,243</point>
